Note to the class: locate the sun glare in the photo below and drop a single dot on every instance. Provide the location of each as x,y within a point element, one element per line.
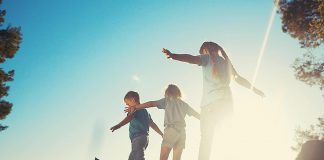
<point>136,78</point>
<point>257,131</point>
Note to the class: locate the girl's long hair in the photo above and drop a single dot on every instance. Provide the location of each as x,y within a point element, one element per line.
<point>214,49</point>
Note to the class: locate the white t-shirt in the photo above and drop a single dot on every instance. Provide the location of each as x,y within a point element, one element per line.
<point>175,111</point>
<point>214,90</point>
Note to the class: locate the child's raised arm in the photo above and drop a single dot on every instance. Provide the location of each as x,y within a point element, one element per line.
<point>182,57</point>
<point>126,120</point>
<point>131,109</point>
<point>244,82</point>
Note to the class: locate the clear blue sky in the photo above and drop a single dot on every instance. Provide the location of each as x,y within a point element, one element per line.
<point>78,58</point>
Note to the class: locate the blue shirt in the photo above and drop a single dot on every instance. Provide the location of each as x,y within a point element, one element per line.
<point>139,125</point>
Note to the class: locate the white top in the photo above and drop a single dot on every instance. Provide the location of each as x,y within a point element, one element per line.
<point>175,111</point>
<point>214,90</point>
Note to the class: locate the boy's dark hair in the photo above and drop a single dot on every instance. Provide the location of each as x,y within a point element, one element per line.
<point>132,94</point>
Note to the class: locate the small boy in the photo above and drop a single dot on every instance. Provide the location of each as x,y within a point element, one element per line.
<point>174,122</point>
<point>140,121</point>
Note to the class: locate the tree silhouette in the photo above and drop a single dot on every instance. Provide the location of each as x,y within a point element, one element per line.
<point>10,38</point>
<point>314,132</point>
<point>304,20</point>
<point>312,150</point>
<point>309,70</point>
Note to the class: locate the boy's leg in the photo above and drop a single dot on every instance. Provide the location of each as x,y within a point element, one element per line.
<point>130,156</point>
<point>165,151</point>
<point>139,145</point>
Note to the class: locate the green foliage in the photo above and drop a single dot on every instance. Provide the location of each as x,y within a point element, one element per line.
<point>314,132</point>
<point>10,39</point>
<point>304,20</point>
<point>5,109</point>
<point>309,70</point>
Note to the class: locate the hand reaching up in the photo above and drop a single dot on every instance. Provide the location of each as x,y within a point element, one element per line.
<point>167,53</point>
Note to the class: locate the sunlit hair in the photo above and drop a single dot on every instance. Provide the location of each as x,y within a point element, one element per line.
<point>211,47</point>
<point>132,95</point>
<point>172,92</point>
<point>213,50</point>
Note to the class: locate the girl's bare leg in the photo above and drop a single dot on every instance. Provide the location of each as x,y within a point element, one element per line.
<point>164,154</point>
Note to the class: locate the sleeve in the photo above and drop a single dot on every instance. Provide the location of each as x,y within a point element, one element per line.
<point>149,117</point>
<point>204,59</point>
<point>190,111</point>
<point>161,103</point>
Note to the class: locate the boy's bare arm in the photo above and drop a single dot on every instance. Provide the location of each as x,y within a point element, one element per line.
<point>126,120</point>
<point>155,128</point>
<point>183,57</point>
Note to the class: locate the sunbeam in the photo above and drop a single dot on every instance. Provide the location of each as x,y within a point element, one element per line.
<point>264,43</point>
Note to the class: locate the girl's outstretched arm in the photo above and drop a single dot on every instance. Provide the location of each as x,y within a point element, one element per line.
<point>192,112</point>
<point>196,115</point>
<point>182,57</point>
<point>131,109</point>
<point>243,82</point>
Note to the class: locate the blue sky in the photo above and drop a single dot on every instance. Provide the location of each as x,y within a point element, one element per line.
<point>79,58</point>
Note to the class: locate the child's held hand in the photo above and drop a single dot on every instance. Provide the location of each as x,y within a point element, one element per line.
<point>130,109</point>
